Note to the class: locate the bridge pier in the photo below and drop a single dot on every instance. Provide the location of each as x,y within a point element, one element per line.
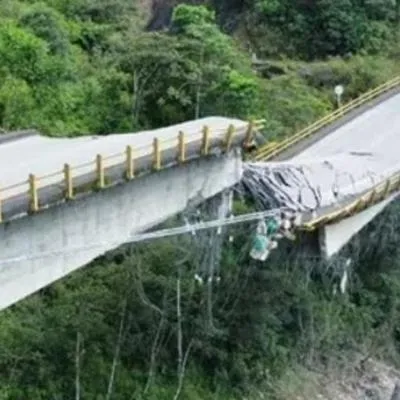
<point>39,249</point>
<point>334,237</point>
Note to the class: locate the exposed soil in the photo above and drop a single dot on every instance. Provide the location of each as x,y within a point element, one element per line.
<point>375,382</point>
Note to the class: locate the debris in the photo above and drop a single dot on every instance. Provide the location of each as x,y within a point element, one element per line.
<point>260,248</point>
<point>308,185</point>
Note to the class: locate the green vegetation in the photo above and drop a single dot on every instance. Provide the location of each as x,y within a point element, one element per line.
<point>91,67</point>
<point>112,331</point>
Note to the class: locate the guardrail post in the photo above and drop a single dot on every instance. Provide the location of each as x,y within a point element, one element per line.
<point>387,189</point>
<point>371,199</point>
<point>249,133</point>
<point>33,193</point>
<point>181,147</point>
<point>130,168</point>
<point>100,171</point>
<point>229,137</point>
<point>359,205</point>
<point>156,154</point>
<point>206,141</point>
<point>69,188</point>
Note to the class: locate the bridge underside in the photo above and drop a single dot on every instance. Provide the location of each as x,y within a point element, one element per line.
<point>39,249</point>
<point>333,237</point>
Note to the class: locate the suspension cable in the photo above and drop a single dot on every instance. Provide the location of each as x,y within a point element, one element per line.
<point>158,234</point>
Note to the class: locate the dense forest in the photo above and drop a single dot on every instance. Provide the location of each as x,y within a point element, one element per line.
<point>113,330</point>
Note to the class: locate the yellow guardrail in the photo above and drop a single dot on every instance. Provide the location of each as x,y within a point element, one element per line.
<point>65,176</point>
<point>377,194</point>
<point>270,151</point>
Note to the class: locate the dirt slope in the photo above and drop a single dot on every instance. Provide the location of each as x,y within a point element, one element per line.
<point>375,381</point>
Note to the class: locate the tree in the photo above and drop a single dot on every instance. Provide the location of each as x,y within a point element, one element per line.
<point>223,82</point>
<point>22,54</point>
<point>236,94</point>
<point>49,25</point>
<point>323,28</point>
<point>16,104</point>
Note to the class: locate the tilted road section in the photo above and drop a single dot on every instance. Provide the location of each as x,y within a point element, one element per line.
<point>375,136</point>
<point>348,162</point>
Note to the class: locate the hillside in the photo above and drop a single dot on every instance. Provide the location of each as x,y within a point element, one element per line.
<point>112,330</point>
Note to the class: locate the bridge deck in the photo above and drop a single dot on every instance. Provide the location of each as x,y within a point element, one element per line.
<point>45,157</point>
<point>374,134</point>
<point>41,155</point>
<point>376,131</point>
<point>351,163</point>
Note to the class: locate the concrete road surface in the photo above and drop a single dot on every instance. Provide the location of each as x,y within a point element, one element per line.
<point>45,157</point>
<point>341,163</point>
<point>374,133</point>
<point>42,155</point>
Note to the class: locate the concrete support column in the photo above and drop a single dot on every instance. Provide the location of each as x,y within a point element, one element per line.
<point>333,237</point>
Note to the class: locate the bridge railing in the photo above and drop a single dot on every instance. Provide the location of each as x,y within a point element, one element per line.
<point>37,192</point>
<point>272,149</point>
<point>371,197</point>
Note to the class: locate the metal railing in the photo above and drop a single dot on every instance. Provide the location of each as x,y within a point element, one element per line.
<point>373,196</point>
<point>179,149</point>
<point>272,149</point>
